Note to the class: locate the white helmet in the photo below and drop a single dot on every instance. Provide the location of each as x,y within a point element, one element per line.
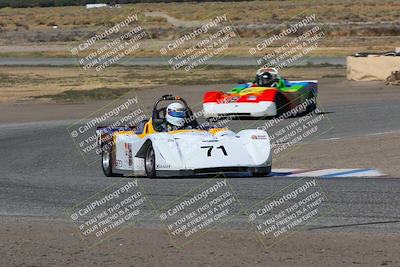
<point>175,114</point>
<point>266,76</point>
<point>273,71</point>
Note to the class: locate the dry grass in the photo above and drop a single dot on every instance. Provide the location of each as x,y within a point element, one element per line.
<point>31,26</point>
<point>73,84</point>
<point>240,48</point>
<point>238,12</point>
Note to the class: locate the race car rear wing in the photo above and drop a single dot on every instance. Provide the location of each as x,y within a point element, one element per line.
<point>105,133</point>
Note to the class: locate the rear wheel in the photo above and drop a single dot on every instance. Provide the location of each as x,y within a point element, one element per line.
<point>150,162</point>
<point>106,163</point>
<point>311,107</point>
<point>281,104</point>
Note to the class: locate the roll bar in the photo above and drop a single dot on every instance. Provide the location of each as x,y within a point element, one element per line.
<point>170,97</point>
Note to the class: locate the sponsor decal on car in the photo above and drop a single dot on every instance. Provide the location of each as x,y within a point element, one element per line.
<point>256,136</point>
<point>163,166</point>
<point>128,153</point>
<point>229,99</point>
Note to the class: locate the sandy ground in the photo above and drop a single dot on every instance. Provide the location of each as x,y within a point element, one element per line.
<point>37,244</point>
<point>25,83</point>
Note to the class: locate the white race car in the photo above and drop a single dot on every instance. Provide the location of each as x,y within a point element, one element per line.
<point>149,150</point>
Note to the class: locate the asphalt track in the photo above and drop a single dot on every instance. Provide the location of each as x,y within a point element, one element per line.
<point>42,174</point>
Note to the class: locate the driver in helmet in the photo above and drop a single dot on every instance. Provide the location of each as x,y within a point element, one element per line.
<point>175,117</point>
<point>267,77</point>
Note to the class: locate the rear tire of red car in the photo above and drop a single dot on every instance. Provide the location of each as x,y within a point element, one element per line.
<point>281,104</point>
<point>310,108</point>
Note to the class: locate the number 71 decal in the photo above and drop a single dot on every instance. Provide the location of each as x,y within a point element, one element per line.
<point>210,148</point>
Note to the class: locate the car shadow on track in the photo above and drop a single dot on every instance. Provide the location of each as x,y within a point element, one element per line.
<point>205,176</point>
<point>236,118</point>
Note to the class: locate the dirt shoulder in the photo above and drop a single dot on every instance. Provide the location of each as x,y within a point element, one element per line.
<point>73,84</point>
<point>42,244</point>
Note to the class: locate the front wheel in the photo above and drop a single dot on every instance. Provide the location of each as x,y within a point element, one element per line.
<point>150,162</point>
<point>261,172</point>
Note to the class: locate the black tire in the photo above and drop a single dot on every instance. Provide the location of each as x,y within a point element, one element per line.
<point>310,108</point>
<point>106,163</point>
<point>261,172</point>
<point>150,162</point>
<point>281,104</point>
